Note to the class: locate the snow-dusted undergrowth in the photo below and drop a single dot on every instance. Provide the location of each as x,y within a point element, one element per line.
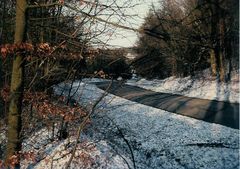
<point>202,86</point>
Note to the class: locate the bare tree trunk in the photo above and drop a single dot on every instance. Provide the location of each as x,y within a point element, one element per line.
<point>213,62</point>
<point>218,38</point>
<point>15,108</point>
<point>214,52</point>
<point>2,40</point>
<point>222,52</point>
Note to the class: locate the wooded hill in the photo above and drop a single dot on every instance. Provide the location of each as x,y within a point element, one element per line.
<point>183,36</point>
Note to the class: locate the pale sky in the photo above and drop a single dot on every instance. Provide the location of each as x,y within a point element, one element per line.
<point>126,38</point>
<point>111,35</point>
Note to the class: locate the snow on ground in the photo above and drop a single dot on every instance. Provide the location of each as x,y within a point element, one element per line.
<point>124,134</point>
<point>56,154</point>
<point>202,87</point>
<point>91,152</point>
<point>157,138</point>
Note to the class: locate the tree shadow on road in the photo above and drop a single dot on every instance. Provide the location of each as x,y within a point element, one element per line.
<point>159,138</point>
<point>228,113</point>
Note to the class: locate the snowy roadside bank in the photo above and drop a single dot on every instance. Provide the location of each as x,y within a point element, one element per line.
<point>124,133</point>
<point>158,139</point>
<point>203,87</point>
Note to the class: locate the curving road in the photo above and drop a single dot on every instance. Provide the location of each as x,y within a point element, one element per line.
<point>212,111</point>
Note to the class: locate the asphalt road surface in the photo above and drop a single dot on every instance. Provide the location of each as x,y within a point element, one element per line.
<point>212,111</point>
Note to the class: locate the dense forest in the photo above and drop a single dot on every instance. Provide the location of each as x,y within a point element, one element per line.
<point>46,42</point>
<point>185,36</point>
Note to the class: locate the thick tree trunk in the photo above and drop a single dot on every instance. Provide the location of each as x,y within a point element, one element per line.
<point>213,62</point>
<point>218,54</point>
<point>222,53</point>
<point>214,52</point>
<point>2,40</point>
<point>15,108</point>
